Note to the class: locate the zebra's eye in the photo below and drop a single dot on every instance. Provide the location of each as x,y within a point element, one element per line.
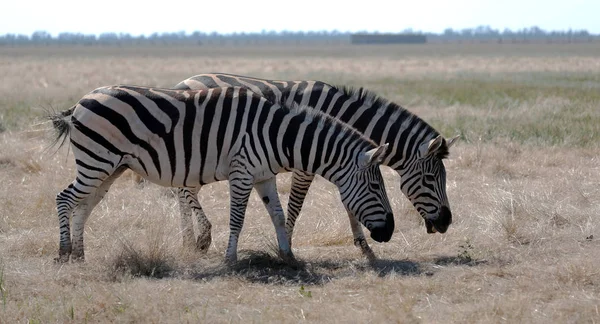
<point>429,178</point>
<point>375,186</point>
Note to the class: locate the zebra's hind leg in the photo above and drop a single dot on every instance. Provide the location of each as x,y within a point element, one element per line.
<point>359,238</point>
<point>83,211</point>
<point>188,203</point>
<point>76,198</point>
<point>267,191</point>
<point>301,182</point>
<point>66,200</point>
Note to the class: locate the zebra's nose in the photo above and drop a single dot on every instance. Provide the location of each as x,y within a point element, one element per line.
<point>389,218</point>
<point>383,231</point>
<point>441,223</point>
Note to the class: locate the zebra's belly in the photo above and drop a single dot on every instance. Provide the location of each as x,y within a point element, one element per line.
<point>181,176</point>
<point>196,172</point>
<point>262,175</point>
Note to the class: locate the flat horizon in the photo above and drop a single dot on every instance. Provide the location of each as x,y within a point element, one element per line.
<point>139,18</point>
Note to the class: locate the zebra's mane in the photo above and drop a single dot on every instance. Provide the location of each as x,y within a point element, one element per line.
<point>367,97</point>
<point>326,120</point>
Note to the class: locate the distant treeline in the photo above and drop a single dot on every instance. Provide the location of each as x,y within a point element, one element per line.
<point>481,34</point>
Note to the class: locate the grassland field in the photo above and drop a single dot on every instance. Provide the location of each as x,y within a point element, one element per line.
<point>523,183</point>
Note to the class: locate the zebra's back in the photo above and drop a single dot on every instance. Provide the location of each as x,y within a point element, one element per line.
<point>173,138</point>
<point>303,92</point>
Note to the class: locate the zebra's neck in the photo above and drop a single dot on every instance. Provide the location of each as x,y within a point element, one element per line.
<point>382,121</point>
<point>379,119</point>
<point>318,144</point>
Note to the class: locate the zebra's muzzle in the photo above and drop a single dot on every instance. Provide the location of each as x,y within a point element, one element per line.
<point>383,231</point>
<point>441,223</point>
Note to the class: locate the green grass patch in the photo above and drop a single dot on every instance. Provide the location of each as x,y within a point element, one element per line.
<point>19,115</point>
<point>539,109</point>
<point>499,92</point>
<point>561,129</point>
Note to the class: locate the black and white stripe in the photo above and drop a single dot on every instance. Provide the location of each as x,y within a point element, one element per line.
<point>416,151</point>
<point>186,139</point>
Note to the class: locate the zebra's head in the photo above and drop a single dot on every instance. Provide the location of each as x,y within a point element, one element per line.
<point>424,183</point>
<point>364,196</point>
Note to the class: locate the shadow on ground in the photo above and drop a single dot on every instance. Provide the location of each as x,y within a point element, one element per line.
<point>266,268</point>
<point>457,260</point>
<point>260,267</point>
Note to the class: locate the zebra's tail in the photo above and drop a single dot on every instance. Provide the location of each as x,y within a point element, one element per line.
<point>61,122</point>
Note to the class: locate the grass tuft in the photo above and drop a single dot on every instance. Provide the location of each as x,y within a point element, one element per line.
<point>152,261</point>
<point>465,253</point>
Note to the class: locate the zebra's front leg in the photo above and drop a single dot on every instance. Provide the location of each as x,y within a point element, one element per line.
<point>301,182</point>
<point>204,226</point>
<point>267,190</point>
<point>185,210</point>
<point>359,238</point>
<point>240,187</point>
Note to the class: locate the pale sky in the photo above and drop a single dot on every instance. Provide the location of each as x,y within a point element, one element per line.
<point>226,16</point>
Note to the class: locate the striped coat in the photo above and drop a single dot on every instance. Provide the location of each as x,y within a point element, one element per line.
<point>186,138</point>
<point>416,149</point>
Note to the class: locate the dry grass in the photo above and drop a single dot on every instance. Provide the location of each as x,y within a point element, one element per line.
<point>523,247</point>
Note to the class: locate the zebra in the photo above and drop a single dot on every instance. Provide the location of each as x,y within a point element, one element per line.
<point>416,153</point>
<point>188,138</point>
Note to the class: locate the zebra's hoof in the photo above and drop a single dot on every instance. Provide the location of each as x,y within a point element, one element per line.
<point>371,257</point>
<point>77,255</point>
<point>62,259</point>
<point>231,258</point>
<point>230,261</point>
<point>288,257</point>
<point>78,259</point>
<point>203,243</point>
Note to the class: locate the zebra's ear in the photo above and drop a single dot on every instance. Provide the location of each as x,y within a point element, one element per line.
<point>373,156</point>
<point>452,140</point>
<point>431,147</point>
